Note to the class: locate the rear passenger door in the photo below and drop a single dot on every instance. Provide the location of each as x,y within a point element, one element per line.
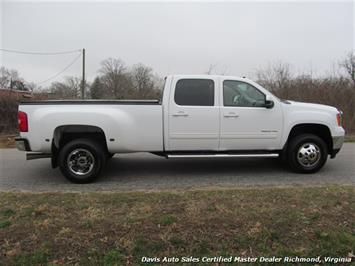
<point>193,115</point>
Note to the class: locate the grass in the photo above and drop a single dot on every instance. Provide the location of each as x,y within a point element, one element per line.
<point>349,138</point>
<point>120,228</point>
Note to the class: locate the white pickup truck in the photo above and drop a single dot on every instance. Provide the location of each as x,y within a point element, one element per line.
<point>199,116</point>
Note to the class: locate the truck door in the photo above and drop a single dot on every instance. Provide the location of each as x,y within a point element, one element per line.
<point>193,115</point>
<point>246,124</point>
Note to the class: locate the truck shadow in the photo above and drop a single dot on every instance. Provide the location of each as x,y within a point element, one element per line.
<point>143,171</point>
<point>130,166</point>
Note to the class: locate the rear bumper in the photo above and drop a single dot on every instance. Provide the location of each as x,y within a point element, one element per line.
<point>22,144</point>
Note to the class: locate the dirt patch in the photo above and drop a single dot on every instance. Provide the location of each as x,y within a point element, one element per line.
<point>7,141</point>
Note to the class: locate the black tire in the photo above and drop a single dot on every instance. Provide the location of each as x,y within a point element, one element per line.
<point>85,168</point>
<point>110,155</point>
<point>306,149</point>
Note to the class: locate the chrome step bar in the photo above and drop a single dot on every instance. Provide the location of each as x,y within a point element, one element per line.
<point>246,155</point>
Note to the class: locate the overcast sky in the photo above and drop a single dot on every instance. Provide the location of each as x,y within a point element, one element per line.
<point>185,37</point>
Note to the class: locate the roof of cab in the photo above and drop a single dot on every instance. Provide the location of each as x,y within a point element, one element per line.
<point>206,76</point>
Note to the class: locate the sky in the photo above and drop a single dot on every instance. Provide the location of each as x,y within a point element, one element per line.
<point>175,37</point>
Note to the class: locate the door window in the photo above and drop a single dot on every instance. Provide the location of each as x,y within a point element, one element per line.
<point>242,94</point>
<point>198,92</point>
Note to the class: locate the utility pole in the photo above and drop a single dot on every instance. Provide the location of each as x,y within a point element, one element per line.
<point>83,78</point>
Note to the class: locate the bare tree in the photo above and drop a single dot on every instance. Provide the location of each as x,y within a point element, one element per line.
<point>8,75</point>
<point>69,89</point>
<point>348,64</point>
<point>32,86</point>
<point>97,89</point>
<point>159,82</point>
<point>142,78</point>
<point>213,69</point>
<point>115,78</point>
<point>276,76</point>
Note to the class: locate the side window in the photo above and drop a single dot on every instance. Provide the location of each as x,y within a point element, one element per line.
<point>198,92</point>
<point>239,93</point>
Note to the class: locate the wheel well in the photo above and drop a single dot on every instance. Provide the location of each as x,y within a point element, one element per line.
<point>63,134</point>
<point>319,130</point>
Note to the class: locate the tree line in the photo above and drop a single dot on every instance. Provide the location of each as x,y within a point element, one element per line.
<point>337,91</point>
<point>117,80</point>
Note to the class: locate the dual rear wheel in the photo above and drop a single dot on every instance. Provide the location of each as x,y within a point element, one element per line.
<point>82,160</point>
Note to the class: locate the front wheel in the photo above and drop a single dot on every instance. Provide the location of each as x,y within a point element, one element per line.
<point>307,153</point>
<point>81,160</point>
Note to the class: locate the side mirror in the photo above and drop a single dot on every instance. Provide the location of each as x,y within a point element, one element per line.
<point>269,103</point>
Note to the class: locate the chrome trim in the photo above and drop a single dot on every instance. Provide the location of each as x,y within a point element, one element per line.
<point>308,154</point>
<point>256,155</point>
<point>80,161</point>
<point>20,145</point>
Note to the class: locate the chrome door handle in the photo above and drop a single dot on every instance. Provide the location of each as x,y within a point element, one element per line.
<point>180,113</point>
<point>231,115</point>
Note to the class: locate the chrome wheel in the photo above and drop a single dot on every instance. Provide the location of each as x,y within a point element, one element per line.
<point>308,155</point>
<point>80,161</point>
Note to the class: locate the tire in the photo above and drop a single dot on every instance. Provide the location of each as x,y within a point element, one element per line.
<point>82,160</point>
<point>307,153</point>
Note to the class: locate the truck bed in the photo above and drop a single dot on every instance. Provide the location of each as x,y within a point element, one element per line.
<point>111,102</point>
<point>129,126</point>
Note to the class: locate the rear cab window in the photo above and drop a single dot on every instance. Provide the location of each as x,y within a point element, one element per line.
<point>194,92</point>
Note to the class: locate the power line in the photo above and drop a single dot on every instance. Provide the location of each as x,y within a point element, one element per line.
<point>60,72</point>
<point>40,53</point>
<point>48,53</point>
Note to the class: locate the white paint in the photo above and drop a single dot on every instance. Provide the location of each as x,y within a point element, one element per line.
<point>172,127</point>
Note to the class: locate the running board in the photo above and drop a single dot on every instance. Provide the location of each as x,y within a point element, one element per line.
<point>251,155</point>
<point>33,156</point>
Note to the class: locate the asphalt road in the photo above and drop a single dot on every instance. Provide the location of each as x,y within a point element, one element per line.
<point>143,171</point>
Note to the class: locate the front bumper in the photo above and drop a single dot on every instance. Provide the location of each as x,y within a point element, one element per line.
<point>337,144</point>
<point>22,144</point>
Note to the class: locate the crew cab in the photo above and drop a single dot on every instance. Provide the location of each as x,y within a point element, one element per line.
<point>198,116</point>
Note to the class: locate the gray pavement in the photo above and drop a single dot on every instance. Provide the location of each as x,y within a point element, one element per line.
<point>143,171</point>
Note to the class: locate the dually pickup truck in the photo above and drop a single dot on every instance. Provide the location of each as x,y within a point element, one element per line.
<point>199,116</point>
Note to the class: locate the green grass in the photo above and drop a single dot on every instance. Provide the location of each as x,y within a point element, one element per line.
<point>7,213</point>
<point>120,228</point>
<point>349,138</point>
<point>37,257</point>
<point>4,224</point>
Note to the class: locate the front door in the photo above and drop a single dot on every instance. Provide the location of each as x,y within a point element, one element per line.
<point>193,115</point>
<point>245,122</point>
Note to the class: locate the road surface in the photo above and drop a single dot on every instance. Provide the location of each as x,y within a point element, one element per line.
<point>143,171</point>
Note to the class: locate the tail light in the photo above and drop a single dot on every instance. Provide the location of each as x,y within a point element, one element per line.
<point>339,119</point>
<point>22,122</point>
